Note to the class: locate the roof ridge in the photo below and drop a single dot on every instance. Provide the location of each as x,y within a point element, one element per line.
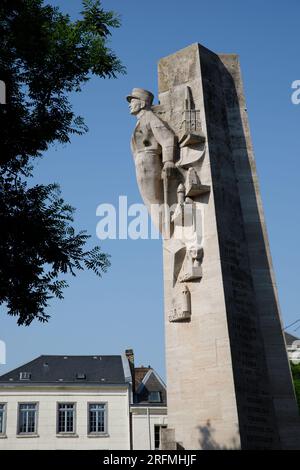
<point>49,368</point>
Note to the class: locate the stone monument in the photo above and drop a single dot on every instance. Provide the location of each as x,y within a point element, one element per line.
<point>228,376</point>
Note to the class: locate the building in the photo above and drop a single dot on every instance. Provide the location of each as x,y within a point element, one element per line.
<point>149,410</point>
<point>293,347</point>
<point>81,402</point>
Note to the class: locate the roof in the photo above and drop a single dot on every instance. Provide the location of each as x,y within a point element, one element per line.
<point>146,381</point>
<point>289,339</point>
<point>69,369</point>
<point>139,374</point>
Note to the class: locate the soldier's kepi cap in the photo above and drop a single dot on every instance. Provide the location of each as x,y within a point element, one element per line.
<point>141,94</point>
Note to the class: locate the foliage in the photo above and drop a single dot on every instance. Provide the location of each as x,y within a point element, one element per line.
<point>44,56</point>
<point>296,380</point>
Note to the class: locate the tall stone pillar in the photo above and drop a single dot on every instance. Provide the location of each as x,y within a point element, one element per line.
<point>228,377</point>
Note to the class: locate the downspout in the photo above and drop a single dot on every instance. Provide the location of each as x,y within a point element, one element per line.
<point>149,427</point>
<point>130,431</point>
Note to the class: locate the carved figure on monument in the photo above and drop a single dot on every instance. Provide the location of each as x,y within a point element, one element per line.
<point>181,309</point>
<point>188,238</point>
<point>191,138</point>
<point>193,153</point>
<point>153,148</point>
<point>172,185</point>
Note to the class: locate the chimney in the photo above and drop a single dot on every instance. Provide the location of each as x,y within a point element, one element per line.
<point>130,356</point>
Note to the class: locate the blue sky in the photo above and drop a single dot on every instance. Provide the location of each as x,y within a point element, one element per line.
<point>125,308</point>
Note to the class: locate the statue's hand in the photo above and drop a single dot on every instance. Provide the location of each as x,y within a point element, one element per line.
<point>168,170</point>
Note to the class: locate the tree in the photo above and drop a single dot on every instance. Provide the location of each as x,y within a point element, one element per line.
<point>44,56</point>
<point>296,380</point>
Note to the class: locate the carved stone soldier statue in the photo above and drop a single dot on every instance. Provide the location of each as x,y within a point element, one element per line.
<point>152,145</point>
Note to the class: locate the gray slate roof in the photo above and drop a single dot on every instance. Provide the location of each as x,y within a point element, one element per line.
<point>51,369</point>
<point>289,339</point>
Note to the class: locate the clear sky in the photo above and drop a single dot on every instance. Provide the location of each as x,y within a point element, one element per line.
<point>125,308</point>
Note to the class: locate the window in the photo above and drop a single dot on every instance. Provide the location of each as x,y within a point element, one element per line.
<point>157,435</point>
<point>2,418</point>
<point>80,376</point>
<point>27,418</point>
<point>97,418</point>
<point>66,418</point>
<point>25,375</point>
<point>154,397</point>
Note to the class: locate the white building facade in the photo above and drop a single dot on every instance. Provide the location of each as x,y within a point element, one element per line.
<point>148,423</point>
<point>80,403</point>
<point>56,418</point>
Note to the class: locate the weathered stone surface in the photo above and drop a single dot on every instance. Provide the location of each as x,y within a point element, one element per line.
<point>168,439</point>
<point>229,383</point>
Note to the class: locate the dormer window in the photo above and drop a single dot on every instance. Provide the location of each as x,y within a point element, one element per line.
<point>25,376</point>
<point>80,376</point>
<point>154,397</point>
